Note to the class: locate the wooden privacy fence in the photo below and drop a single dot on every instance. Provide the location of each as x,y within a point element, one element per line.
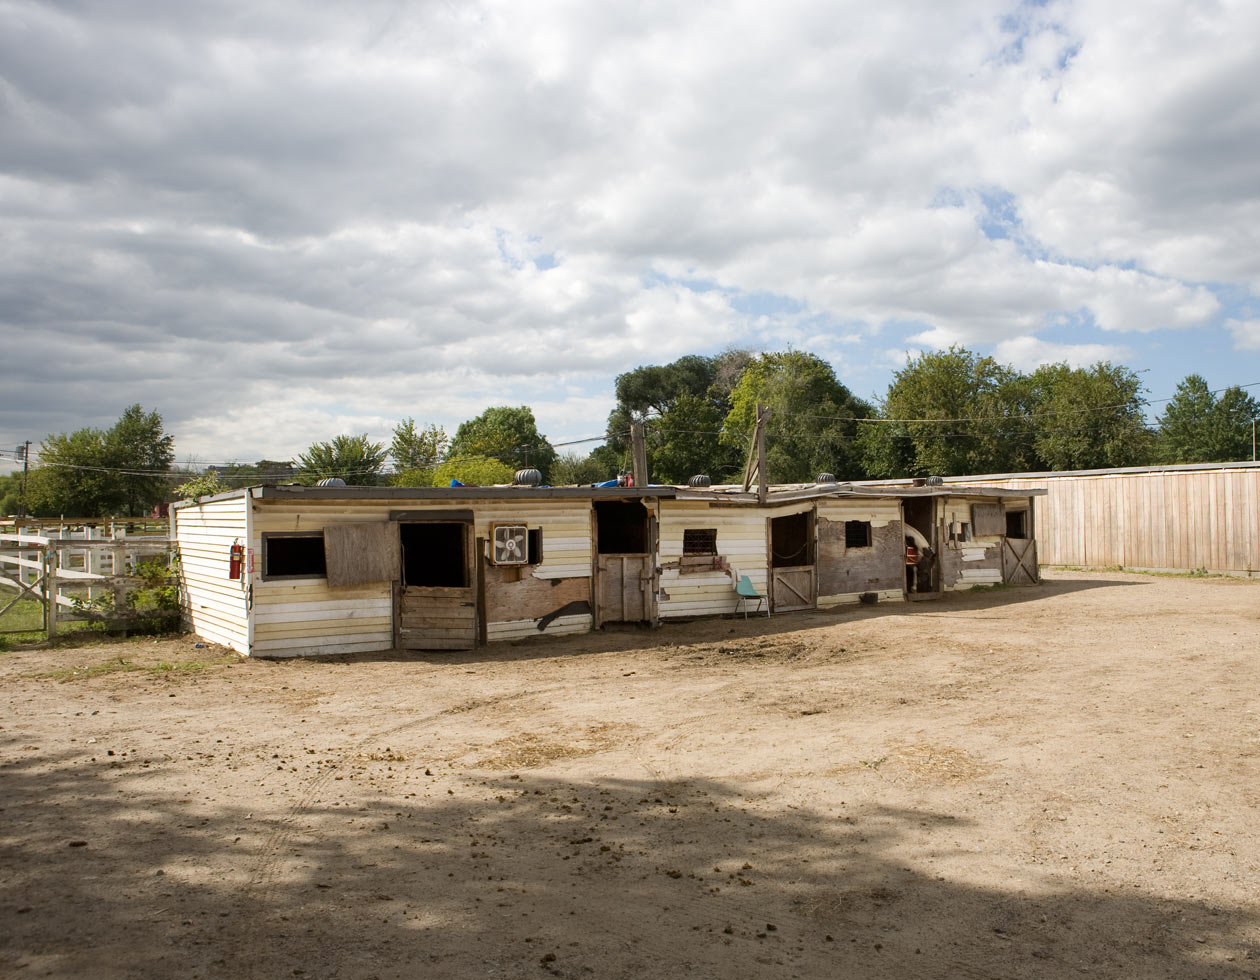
<point>80,577</point>
<point>1172,518</point>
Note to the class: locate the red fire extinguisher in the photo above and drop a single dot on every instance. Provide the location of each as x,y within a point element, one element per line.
<point>236,559</point>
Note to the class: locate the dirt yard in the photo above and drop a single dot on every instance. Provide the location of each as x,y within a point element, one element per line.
<point>1039,782</point>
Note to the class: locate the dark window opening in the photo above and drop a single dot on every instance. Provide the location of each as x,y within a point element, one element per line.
<point>1017,523</point>
<point>700,541</point>
<point>534,547</point>
<point>293,555</point>
<point>791,541</point>
<point>857,534</point>
<point>622,527</point>
<point>433,555</point>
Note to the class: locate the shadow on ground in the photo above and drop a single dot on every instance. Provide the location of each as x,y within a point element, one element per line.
<point>519,876</point>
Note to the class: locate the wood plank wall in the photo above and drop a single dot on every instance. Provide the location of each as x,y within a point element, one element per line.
<point>216,604</point>
<point>305,615</point>
<point>1164,520</point>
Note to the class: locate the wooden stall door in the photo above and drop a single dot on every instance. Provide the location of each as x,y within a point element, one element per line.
<point>792,588</point>
<point>437,616</point>
<point>1019,561</point>
<point>624,581</point>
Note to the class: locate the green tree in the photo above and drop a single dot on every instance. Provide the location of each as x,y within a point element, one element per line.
<point>474,471</point>
<point>1090,418</point>
<point>656,390</point>
<point>10,494</point>
<point>268,471</point>
<point>812,427</point>
<point>354,459</point>
<point>103,473</point>
<point>981,407</point>
<point>509,435</point>
<point>1198,427</point>
<point>206,485</point>
<point>418,448</point>
<point>687,440</point>
<point>142,454</point>
<point>576,469</point>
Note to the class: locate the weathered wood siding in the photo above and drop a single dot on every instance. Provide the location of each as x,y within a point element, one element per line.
<point>215,605</point>
<point>965,564</point>
<point>305,616</point>
<point>1173,519</point>
<point>844,574</point>
<point>741,544</point>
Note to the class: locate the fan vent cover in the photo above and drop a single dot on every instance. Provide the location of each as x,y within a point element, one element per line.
<point>511,544</point>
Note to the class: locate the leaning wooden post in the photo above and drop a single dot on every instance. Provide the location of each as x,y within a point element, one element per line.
<point>763,486</point>
<point>638,454</point>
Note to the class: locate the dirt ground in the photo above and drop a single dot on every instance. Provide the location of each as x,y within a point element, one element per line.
<point>1038,782</point>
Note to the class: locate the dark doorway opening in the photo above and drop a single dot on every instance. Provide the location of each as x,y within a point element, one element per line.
<point>622,527</point>
<point>791,541</point>
<point>433,555</point>
<point>921,571</point>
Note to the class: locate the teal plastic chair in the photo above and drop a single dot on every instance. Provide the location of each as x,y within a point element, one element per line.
<point>745,591</point>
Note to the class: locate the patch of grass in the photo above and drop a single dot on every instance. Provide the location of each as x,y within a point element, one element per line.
<point>114,665</point>
<point>992,587</point>
<point>120,664</point>
<point>25,619</point>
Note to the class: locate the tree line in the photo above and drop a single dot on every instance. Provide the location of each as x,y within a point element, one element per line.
<point>946,413</point>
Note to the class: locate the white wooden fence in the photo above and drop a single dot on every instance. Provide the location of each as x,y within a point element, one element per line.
<point>68,572</point>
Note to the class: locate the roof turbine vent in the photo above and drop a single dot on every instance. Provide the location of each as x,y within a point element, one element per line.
<point>331,481</point>
<point>528,477</point>
<point>826,478</point>
<point>699,480</point>
<point>935,481</point>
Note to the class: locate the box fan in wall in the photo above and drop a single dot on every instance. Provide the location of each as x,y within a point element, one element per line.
<point>511,544</point>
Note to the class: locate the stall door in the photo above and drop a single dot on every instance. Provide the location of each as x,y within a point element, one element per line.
<point>792,573</point>
<point>437,590</point>
<point>624,581</point>
<point>625,568</point>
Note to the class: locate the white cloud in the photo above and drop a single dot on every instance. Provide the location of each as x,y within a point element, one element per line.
<point>347,215</point>
<point>1246,333</point>
<point>1029,353</point>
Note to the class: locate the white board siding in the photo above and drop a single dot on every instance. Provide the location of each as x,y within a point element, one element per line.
<point>741,540</point>
<point>215,605</point>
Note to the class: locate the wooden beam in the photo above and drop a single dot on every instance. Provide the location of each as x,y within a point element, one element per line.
<point>638,451</point>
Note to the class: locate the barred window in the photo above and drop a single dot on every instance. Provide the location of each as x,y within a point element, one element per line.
<point>700,541</point>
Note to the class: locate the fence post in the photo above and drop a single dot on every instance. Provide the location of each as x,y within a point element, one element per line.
<point>50,590</point>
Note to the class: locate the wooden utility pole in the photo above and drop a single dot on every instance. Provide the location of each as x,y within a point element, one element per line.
<point>25,469</point>
<point>638,454</point>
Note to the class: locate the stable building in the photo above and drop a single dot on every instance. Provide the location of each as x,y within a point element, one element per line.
<point>280,571</point>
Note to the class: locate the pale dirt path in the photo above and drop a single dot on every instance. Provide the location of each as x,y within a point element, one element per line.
<point>1026,783</point>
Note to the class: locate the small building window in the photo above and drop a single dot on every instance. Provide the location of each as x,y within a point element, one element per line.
<point>960,531</point>
<point>293,556</point>
<point>1017,523</point>
<point>700,541</point>
<point>857,534</point>
<point>535,547</point>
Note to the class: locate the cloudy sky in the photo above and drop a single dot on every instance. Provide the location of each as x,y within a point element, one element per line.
<point>277,221</point>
